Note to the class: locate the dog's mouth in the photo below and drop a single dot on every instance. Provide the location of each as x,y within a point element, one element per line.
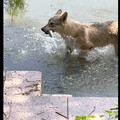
<point>50,32</point>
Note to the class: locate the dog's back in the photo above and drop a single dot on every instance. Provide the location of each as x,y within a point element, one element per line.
<point>111,26</point>
<point>102,34</point>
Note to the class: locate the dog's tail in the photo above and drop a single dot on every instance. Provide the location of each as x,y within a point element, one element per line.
<point>113,28</point>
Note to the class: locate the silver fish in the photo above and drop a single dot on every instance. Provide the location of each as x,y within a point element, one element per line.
<point>50,33</point>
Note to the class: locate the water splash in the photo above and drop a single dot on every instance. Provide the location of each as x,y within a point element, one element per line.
<point>30,49</point>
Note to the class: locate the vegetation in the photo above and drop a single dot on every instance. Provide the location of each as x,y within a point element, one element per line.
<point>83,117</point>
<point>113,115</point>
<point>15,8</point>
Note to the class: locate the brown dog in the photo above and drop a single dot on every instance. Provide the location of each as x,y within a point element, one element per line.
<point>82,36</point>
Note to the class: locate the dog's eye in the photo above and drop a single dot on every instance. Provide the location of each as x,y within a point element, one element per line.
<point>52,23</point>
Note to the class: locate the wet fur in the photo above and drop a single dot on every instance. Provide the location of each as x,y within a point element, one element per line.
<point>83,36</point>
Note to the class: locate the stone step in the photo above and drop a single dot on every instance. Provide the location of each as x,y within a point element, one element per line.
<point>24,101</point>
<point>55,107</point>
<point>23,82</point>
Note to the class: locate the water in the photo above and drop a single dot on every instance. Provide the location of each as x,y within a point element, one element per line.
<point>26,47</point>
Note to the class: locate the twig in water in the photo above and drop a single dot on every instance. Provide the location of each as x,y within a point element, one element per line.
<point>25,93</point>
<point>67,109</point>
<point>40,113</point>
<point>61,115</point>
<point>9,103</point>
<point>114,108</point>
<point>93,110</point>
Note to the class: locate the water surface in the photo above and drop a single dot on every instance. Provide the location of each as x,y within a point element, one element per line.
<point>26,47</point>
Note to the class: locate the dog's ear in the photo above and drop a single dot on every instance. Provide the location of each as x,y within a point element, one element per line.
<point>58,12</point>
<point>64,16</point>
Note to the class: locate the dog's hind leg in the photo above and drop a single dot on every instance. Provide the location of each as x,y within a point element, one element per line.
<point>116,49</point>
<point>83,53</point>
<point>115,43</point>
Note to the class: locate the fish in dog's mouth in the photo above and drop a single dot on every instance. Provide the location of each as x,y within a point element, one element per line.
<point>50,32</point>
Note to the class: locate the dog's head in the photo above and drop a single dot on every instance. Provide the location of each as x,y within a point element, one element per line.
<point>55,24</point>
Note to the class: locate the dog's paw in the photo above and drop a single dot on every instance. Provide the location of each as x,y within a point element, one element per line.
<point>67,52</point>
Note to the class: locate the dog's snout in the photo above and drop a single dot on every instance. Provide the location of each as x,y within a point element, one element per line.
<point>42,29</point>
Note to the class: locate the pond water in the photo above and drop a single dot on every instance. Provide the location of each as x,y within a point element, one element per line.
<point>26,47</point>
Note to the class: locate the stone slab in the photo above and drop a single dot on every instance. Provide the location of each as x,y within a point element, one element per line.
<point>37,108</point>
<point>22,82</point>
<point>23,102</point>
<point>34,106</point>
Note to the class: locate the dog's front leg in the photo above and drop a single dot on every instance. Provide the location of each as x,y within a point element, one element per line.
<point>69,45</point>
<point>83,53</point>
<point>68,50</point>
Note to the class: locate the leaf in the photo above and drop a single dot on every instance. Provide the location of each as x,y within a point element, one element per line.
<point>115,104</point>
<point>87,118</point>
<point>90,116</point>
<point>81,117</point>
<point>108,111</point>
<point>116,116</point>
<point>77,118</point>
<point>102,116</point>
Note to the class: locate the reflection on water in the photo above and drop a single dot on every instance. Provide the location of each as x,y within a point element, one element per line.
<point>26,47</point>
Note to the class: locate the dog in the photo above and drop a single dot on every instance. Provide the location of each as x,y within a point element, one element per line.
<point>82,36</point>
